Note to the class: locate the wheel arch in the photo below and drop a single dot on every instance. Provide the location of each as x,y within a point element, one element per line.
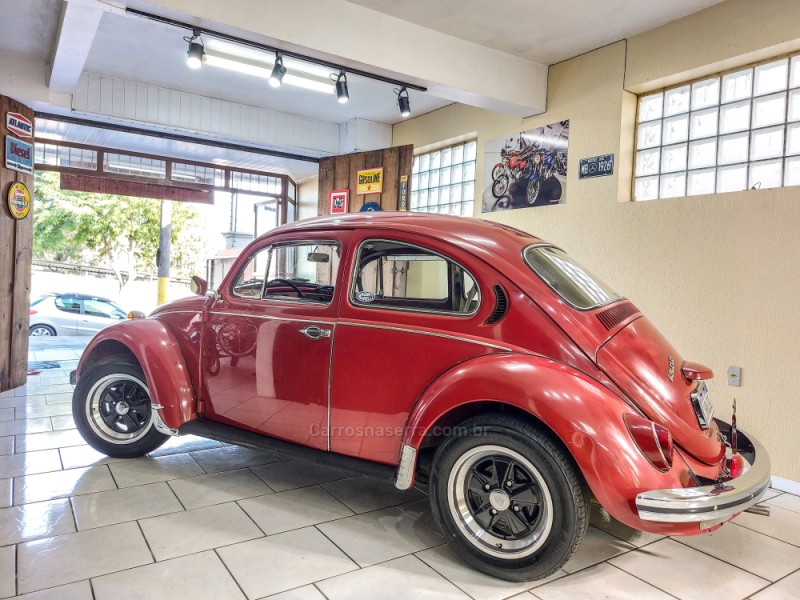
<point>581,415</point>
<point>149,343</point>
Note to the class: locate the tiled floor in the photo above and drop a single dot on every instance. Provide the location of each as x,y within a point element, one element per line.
<point>202,520</point>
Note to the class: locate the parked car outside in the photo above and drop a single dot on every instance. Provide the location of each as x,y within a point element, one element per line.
<point>72,314</point>
<point>463,354</point>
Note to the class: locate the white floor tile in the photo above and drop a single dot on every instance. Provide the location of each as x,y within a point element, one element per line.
<point>38,411</point>
<point>291,474</point>
<point>200,529</point>
<point>65,398</point>
<point>229,458</point>
<point>80,590</point>
<point>46,486</point>
<point>602,520</point>
<point>78,556</point>
<point>392,580</point>
<point>7,445</point>
<point>596,547</point>
<point>599,583</point>
<point>7,414</point>
<point>421,511</point>
<point>294,509</point>
<point>787,501</point>
<point>677,569</point>
<point>377,536</point>
<point>307,592</point>
<point>749,550</point>
<point>49,440</point>
<point>781,524</point>
<point>85,456</point>
<point>29,463</point>
<point>218,488</point>
<point>7,566</point>
<point>129,504</point>
<point>6,497</point>
<point>294,559</point>
<point>478,585</point>
<point>198,577</point>
<point>25,426</point>
<point>179,444</point>
<point>785,589</point>
<point>35,520</point>
<point>363,494</point>
<point>62,422</point>
<point>151,470</point>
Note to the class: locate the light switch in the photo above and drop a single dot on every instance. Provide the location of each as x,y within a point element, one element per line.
<point>735,376</point>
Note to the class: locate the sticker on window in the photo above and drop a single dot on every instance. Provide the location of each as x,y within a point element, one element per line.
<point>365,297</point>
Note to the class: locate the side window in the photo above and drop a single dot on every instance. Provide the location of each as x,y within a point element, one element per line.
<point>98,308</point>
<point>68,305</point>
<point>401,276</point>
<point>303,271</point>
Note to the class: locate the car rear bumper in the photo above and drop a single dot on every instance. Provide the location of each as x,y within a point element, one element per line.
<point>716,503</point>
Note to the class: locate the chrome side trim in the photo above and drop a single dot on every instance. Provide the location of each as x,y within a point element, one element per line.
<point>430,333</point>
<point>709,503</point>
<point>158,423</point>
<point>269,317</point>
<point>405,470</point>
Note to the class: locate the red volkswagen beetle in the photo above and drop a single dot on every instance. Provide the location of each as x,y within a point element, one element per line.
<point>459,353</point>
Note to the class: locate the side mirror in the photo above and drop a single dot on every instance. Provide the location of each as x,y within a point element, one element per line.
<point>136,314</point>
<point>198,285</point>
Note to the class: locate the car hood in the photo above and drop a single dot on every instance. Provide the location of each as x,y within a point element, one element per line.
<point>192,303</point>
<point>647,369</point>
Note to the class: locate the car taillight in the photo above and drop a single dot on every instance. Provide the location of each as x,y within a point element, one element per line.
<point>33,312</point>
<point>736,466</point>
<point>653,440</point>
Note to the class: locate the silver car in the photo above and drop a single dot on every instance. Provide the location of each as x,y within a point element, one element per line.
<point>72,314</point>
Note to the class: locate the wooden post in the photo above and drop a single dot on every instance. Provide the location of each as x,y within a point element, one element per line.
<point>16,241</point>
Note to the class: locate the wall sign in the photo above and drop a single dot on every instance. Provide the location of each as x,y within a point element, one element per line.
<point>19,200</point>
<point>370,181</point>
<point>19,155</point>
<point>339,201</point>
<point>19,125</point>
<point>403,203</point>
<point>596,166</point>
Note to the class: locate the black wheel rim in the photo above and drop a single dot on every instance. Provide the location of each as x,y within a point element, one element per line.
<point>125,407</point>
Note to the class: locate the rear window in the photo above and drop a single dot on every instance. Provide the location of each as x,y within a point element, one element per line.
<point>568,279</point>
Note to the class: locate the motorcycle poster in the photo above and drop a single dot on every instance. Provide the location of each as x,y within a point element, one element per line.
<point>529,169</point>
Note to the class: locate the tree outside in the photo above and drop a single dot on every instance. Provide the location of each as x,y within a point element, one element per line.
<point>115,232</point>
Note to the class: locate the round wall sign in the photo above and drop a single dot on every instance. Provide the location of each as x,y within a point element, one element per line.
<point>19,200</point>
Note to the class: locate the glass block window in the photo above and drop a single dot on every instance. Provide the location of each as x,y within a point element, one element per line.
<point>65,156</point>
<point>250,182</point>
<point>184,172</point>
<point>139,166</point>
<point>443,181</point>
<point>726,133</point>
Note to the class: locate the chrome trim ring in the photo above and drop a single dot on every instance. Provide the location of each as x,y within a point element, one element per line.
<point>517,517</point>
<point>103,414</point>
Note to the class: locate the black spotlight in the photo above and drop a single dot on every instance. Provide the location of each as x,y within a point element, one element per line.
<point>278,71</point>
<point>403,102</point>
<point>341,88</point>
<point>194,56</point>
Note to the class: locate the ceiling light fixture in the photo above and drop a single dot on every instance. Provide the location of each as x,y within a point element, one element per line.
<point>278,71</point>
<point>403,102</point>
<point>341,88</point>
<point>196,52</point>
<point>263,69</point>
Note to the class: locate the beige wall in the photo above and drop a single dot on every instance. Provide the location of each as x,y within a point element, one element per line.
<point>718,274</point>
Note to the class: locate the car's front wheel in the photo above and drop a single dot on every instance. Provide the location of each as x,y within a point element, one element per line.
<point>112,410</point>
<point>508,498</point>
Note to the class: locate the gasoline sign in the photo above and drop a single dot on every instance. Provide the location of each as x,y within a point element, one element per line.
<point>370,181</point>
<point>19,200</point>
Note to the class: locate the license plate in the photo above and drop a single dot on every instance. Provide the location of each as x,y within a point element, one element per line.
<point>702,405</point>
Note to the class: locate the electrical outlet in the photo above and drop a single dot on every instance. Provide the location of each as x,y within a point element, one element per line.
<point>735,376</point>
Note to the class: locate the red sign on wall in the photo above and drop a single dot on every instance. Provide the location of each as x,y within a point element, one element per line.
<point>19,125</point>
<point>339,200</point>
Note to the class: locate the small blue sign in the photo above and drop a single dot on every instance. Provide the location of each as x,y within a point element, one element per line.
<point>19,155</point>
<point>596,166</point>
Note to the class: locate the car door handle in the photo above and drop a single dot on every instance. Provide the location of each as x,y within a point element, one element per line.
<point>313,332</point>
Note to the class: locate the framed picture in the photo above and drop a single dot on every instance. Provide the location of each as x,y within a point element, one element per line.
<point>339,202</point>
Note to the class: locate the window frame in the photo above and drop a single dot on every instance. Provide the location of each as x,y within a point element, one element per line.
<point>748,163</point>
<point>269,248</point>
<point>468,204</point>
<point>351,296</point>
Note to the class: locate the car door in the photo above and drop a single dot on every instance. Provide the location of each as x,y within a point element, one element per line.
<point>268,339</point>
<point>410,315</point>
<point>97,314</point>
<point>65,317</point>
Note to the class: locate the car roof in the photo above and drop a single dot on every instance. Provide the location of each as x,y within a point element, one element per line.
<point>465,232</point>
<point>77,296</point>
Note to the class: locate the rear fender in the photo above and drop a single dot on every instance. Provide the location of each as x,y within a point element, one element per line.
<point>583,414</point>
<point>160,357</point>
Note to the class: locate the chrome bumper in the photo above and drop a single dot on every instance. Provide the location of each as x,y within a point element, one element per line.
<point>711,504</point>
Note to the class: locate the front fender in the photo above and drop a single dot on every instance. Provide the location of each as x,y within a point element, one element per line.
<point>161,359</point>
<point>580,411</point>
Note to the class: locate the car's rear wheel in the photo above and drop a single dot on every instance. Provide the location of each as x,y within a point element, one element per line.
<point>40,330</point>
<point>112,410</point>
<point>509,500</point>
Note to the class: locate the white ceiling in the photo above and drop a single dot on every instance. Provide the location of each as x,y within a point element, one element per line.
<point>132,48</point>
<point>544,32</point>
